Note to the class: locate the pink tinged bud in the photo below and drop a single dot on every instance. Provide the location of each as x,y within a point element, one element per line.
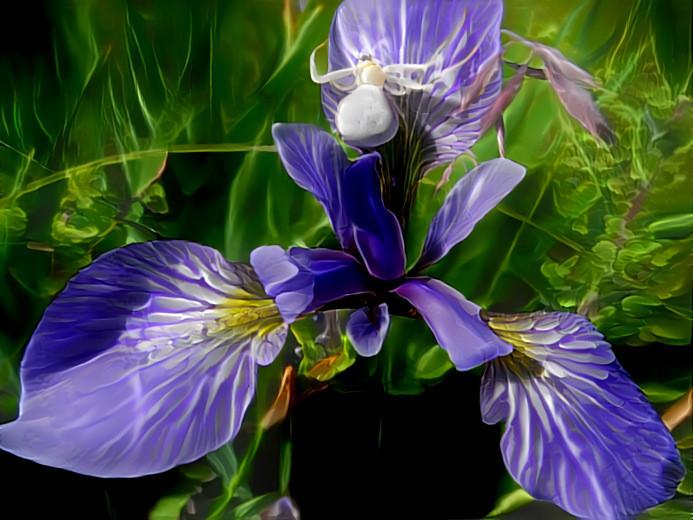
<point>579,103</point>
<point>512,86</point>
<point>487,72</point>
<point>569,82</point>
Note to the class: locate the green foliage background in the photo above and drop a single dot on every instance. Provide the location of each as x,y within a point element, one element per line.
<point>152,120</point>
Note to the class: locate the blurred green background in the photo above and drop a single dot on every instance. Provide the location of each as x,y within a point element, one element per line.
<point>130,121</point>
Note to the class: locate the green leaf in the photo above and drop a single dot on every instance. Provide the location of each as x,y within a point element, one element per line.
<point>12,223</point>
<point>662,393</point>
<point>675,226</point>
<point>224,462</point>
<point>434,363</point>
<point>510,502</point>
<point>285,466</point>
<point>169,507</point>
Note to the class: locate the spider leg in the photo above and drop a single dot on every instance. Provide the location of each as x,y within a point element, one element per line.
<point>329,76</point>
<point>394,88</point>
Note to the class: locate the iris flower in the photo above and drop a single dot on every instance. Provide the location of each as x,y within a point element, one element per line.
<point>369,272</point>
<point>420,81</point>
<point>578,431</point>
<point>414,63</point>
<point>148,358</point>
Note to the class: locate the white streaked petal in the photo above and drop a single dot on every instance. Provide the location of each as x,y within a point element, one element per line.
<point>579,432</point>
<point>140,364</point>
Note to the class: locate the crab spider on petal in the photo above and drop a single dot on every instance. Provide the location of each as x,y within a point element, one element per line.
<point>395,64</point>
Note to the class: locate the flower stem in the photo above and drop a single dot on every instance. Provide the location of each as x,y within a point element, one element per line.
<point>238,478</point>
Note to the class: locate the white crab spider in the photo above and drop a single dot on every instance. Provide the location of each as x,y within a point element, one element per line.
<point>365,116</point>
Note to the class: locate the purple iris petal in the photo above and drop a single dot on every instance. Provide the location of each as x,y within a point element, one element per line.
<point>579,432</point>
<point>454,321</point>
<point>288,281</point>
<point>349,192</point>
<point>453,40</point>
<point>317,163</point>
<point>302,280</point>
<point>367,329</point>
<point>376,230</point>
<point>145,361</point>
<point>470,199</point>
<point>336,274</point>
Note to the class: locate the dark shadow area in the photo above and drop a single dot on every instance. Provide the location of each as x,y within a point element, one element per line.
<point>42,492</point>
<point>371,455</point>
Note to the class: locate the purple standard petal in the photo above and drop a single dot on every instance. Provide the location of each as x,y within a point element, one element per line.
<point>317,163</point>
<point>302,280</point>
<point>367,329</point>
<point>425,56</point>
<point>454,321</point>
<point>579,432</point>
<point>145,361</point>
<point>376,229</point>
<point>470,199</point>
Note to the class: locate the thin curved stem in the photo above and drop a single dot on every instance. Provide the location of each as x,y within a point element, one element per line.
<point>238,478</point>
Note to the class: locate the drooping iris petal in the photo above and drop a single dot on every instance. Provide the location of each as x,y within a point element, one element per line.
<point>145,361</point>
<point>454,321</point>
<point>445,44</point>
<point>316,162</point>
<point>579,432</point>
<point>578,103</point>
<point>367,329</point>
<point>302,280</point>
<point>376,230</point>
<point>470,199</point>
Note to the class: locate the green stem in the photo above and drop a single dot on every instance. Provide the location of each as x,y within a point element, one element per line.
<point>238,478</point>
<point>560,238</point>
<point>141,154</point>
<point>506,259</point>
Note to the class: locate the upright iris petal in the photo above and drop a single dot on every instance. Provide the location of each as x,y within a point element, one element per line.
<point>146,360</point>
<point>579,432</point>
<point>470,199</point>
<point>426,55</point>
<point>316,162</point>
<point>349,192</point>
<point>376,230</point>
